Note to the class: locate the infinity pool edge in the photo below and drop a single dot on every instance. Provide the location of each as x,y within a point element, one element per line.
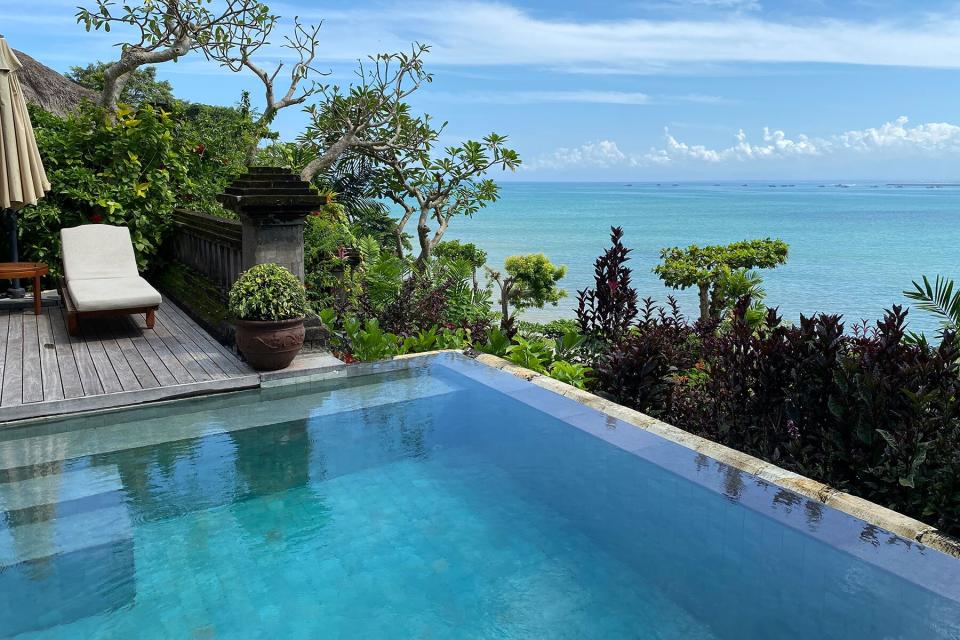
<point>870,512</point>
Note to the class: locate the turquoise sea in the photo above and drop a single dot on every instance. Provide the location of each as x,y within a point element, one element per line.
<point>853,248</point>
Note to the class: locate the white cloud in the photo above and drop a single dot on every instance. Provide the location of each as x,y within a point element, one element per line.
<point>896,138</point>
<point>604,153</point>
<point>931,137</point>
<point>541,97</point>
<point>725,5</point>
<point>483,33</point>
<point>775,144</point>
<point>585,96</point>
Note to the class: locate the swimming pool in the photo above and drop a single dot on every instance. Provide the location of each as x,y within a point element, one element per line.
<point>442,499</point>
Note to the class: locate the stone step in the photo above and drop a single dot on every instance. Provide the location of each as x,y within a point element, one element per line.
<point>118,436</point>
<point>64,535</point>
<point>60,487</point>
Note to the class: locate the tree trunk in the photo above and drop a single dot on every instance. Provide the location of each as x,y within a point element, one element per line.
<point>398,236</point>
<point>328,157</point>
<point>704,301</point>
<point>506,322</point>
<point>426,247</point>
<point>116,76</point>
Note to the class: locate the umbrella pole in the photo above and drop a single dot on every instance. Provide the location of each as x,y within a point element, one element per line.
<point>15,290</point>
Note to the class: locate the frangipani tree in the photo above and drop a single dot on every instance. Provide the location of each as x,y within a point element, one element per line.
<point>434,191</point>
<point>165,30</point>
<point>370,117</point>
<point>708,267</point>
<point>230,32</point>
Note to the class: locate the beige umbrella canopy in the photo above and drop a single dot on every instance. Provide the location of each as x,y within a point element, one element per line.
<point>22,178</point>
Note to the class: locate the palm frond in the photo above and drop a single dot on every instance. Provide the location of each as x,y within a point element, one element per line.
<point>939,299</point>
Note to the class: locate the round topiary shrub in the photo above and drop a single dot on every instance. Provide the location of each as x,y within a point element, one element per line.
<point>268,292</point>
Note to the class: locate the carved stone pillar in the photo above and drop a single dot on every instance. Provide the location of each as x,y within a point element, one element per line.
<point>273,204</point>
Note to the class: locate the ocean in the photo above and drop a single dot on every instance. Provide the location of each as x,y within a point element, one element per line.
<point>853,248</point>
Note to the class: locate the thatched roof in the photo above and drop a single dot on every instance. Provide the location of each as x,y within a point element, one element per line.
<point>49,89</point>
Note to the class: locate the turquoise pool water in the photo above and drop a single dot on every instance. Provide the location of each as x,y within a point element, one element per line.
<point>440,500</point>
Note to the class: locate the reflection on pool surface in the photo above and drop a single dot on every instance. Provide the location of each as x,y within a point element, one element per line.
<point>441,500</point>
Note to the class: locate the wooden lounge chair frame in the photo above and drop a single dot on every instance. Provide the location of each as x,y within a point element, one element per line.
<point>74,315</point>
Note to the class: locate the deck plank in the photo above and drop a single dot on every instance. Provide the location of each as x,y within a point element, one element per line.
<point>227,362</point>
<point>137,338</point>
<point>107,376</point>
<point>122,331</point>
<point>166,356</point>
<point>49,364</point>
<point>13,370</point>
<point>4,323</point>
<point>183,355</point>
<point>32,369</point>
<point>118,362</point>
<point>77,371</point>
<point>192,346</point>
<point>112,362</point>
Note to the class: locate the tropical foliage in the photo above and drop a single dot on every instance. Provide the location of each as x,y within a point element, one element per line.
<point>141,87</point>
<point>131,169</point>
<point>607,310</point>
<point>432,189</point>
<point>868,411</point>
<point>940,299</point>
<point>125,171</point>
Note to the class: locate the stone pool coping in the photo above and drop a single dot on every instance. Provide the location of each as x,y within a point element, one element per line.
<point>869,512</point>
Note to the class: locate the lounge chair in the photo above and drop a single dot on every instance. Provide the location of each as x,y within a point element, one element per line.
<point>101,277</point>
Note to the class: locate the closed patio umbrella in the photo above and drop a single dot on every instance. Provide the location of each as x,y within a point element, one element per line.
<point>22,178</point>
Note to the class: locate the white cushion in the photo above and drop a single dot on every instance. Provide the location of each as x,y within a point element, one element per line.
<point>106,294</point>
<point>98,251</point>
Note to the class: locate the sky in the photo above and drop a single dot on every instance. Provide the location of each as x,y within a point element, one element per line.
<point>641,91</point>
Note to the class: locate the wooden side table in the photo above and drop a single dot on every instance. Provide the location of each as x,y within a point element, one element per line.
<point>13,270</point>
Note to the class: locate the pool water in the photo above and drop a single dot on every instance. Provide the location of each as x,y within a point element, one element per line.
<point>442,499</point>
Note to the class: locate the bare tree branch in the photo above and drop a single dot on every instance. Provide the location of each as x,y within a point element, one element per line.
<point>304,43</point>
<point>371,115</point>
<point>164,30</point>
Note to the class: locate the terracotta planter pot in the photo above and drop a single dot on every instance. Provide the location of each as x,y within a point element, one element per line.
<point>269,345</point>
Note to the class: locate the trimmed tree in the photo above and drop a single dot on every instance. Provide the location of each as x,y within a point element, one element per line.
<point>707,267</point>
<point>527,281</point>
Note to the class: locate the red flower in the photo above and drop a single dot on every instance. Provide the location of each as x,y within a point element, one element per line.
<point>96,218</point>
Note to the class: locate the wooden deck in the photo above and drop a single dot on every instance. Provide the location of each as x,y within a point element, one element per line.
<point>114,362</point>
